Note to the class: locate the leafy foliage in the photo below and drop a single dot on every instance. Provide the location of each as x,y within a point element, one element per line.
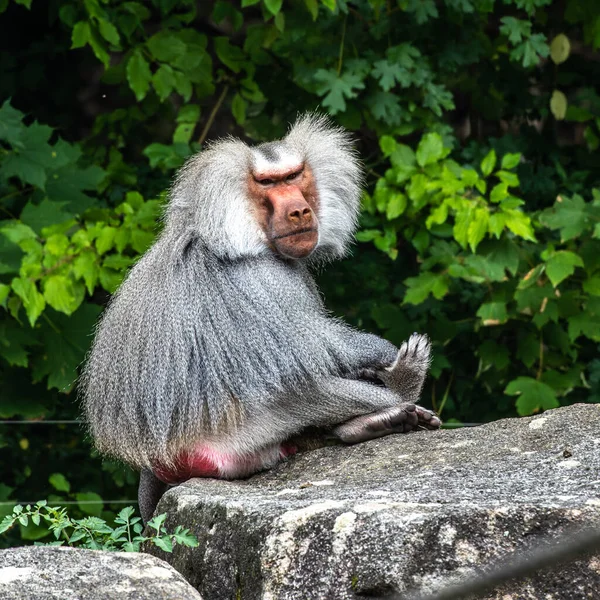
<point>95,533</point>
<point>480,132</point>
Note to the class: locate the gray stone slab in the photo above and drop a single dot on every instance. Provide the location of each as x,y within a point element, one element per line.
<point>400,513</point>
<point>57,573</point>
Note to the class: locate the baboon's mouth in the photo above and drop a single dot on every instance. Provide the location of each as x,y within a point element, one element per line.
<point>292,233</point>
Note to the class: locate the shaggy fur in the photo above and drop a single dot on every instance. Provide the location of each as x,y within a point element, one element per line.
<point>213,339</point>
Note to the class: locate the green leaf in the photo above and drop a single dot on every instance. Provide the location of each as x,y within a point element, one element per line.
<point>404,161</point>
<point>494,355</point>
<point>183,133</point>
<point>57,244</point>
<point>190,113</point>
<point>59,482</point>
<point>387,144</point>
<point>529,6</point>
<point>10,257</point>
<point>164,543</point>
<point>85,267</point>
<point>163,81</point>
<point>273,6</point>
<point>367,235</point>
<point>520,224</point>
<point>503,253</point>
<point>4,291</point>
<point>44,214</point>
<point>80,35</point>
<point>533,395</point>
<point>33,301</point>
<point>163,156</point>
<point>110,279</point>
<point>141,240</point>
<point>515,29</point>
<point>109,32</point>
<point>417,189</point>
<point>94,9</point>
<point>313,8</point>
<point>430,150</point>
<point>396,206</point>
<point>224,10</point>
<point>478,227</point>
<point>420,287</point>
<point>438,216</point>
<point>185,538</point>
<point>592,140</point>
<point>11,125</point>
<point>561,265</point>
<point>33,157</point>
<point>231,56</point>
<point>279,22</point>
<point>166,46</point>
<point>437,98</point>
<point>510,161</point>
<point>488,163</point>
<point>67,184</point>
<point>157,522</point>
<point>15,346</point>
<point>62,294</point>
<point>238,109</point>
<point>531,277</point>
<point>493,313</point>
<point>572,216</point>
<point>139,75</point>
<point>590,286</point>
<point>183,85</point>
<point>462,222</point>
<point>585,324</point>
<point>16,232</point>
<point>105,239</point>
<point>337,89</point>
<point>558,105</point>
<point>65,340</point>
<point>508,177</point>
<point>385,107</point>
<point>389,73</point>
<point>531,51</point>
<point>406,55</point>
<point>424,10</point>
<point>499,192</point>
<point>99,48</point>
<point>381,195</point>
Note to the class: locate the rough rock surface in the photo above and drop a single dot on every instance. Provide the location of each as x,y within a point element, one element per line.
<point>405,512</point>
<point>56,573</point>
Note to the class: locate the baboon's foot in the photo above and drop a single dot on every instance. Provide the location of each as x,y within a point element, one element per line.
<point>396,419</point>
<point>407,373</point>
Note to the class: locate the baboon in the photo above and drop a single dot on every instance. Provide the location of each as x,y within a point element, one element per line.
<point>217,348</point>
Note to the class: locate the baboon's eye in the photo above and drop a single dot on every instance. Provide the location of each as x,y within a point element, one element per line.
<point>265,181</point>
<point>293,176</point>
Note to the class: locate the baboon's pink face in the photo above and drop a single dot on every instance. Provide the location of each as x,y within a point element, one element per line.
<point>286,206</point>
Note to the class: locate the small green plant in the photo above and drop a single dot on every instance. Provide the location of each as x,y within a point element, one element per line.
<point>95,533</point>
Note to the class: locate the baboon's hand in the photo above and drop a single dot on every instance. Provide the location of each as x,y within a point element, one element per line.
<point>407,373</point>
<point>396,419</point>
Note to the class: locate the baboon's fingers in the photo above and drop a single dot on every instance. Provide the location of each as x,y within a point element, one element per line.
<point>428,419</point>
<point>396,419</point>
